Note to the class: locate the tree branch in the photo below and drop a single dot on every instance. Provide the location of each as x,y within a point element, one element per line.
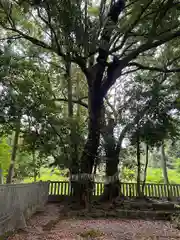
<point>149,45</point>
<point>77,59</point>
<point>130,125</point>
<point>74,101</point>
<point>157,69</point>
<point>48,23</point>
<point>10,38</point>
<point>31,39</point>
<point>116,71</point>
<point>60,137</point>
<point>126,35</point>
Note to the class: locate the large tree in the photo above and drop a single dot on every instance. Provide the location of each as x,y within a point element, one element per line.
<point>89,35</point>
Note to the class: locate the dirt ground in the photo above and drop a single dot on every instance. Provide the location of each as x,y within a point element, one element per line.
<point>49,225</point>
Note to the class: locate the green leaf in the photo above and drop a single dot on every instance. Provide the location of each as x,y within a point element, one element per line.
<point>93,11</point>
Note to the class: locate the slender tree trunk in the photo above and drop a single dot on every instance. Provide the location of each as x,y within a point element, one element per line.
<point>164,169</point>
<point>154,160</point>
<point>1,175</point>
<point>69,81</point>
<point>74,166</point>
<point>145,167</point>
<point>34,166</point>
<point>163,164</point>
<point>35,176</point>
<point>13,155</point>
<point>95,167</point>
<point>138,165</point>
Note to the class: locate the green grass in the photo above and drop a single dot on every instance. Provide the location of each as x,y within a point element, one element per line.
<point>46,175</point>
<point>155,176</point>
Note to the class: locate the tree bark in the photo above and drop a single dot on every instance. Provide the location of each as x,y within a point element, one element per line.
<point>145,167</point>
<point>13,155</point>
<point>95,103</point>
<point>97,93</point>
<point>35,176</point>
<point>112,188</point>
<point>34,165</point>
<point>164,169</point>
<point>90,149</point>
<point>74,163</point>
<point>73,146</point>
<point>163,164</point>
<point>138,166</point>
<point>1,175</point>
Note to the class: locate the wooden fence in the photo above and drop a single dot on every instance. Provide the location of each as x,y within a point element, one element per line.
<point>20,201</point>
<point>62,189</point>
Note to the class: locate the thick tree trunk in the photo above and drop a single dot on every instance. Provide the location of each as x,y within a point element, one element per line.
<point>13,155</point>
<point>92,143</point>
<point>112,187</point>
<point>96,93</point>
<point>90,151</point>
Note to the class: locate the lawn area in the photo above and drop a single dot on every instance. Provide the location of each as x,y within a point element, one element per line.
<point>47,175</point>
<point>155,176</point>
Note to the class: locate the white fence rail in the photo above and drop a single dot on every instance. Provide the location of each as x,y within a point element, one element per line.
<point>18,202</point>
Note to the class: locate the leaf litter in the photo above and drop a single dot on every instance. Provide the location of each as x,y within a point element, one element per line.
<point>50,226</point>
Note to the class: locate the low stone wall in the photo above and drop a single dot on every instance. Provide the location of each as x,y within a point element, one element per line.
<point>18,202</point>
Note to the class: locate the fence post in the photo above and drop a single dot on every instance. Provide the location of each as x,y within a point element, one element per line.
<point>127,189</point>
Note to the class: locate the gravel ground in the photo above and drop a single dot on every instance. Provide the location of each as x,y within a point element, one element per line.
<point>40,228</point>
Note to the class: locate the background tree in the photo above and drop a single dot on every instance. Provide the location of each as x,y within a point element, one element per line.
<point>5,153</point>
